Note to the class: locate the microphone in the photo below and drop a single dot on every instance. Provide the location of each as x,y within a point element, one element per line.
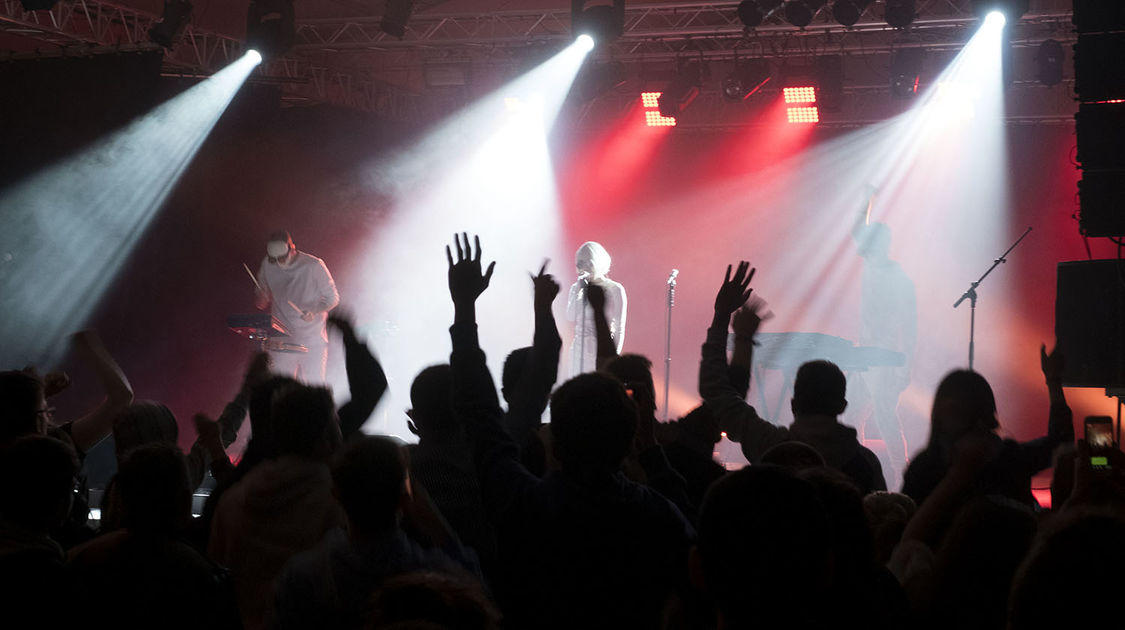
<point>672,277</point>
<point>584,276</point>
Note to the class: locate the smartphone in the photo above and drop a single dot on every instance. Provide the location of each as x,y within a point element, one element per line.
<point>1099,437</point>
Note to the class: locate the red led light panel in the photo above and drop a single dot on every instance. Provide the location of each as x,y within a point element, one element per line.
<point>803,115</point>
<point>800,94</point>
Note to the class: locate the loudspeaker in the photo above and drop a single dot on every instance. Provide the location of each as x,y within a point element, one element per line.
<point>1090,322</point>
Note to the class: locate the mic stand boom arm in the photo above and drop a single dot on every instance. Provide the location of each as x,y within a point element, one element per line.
<point>971,294</point>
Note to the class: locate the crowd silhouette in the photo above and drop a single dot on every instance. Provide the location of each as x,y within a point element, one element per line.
<point>600,518</point>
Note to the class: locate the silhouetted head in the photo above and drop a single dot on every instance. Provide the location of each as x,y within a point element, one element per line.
<point>22,405</point>
<point>793,456</point>
<point>304,422</point>
<point>819,389</point>
<point>153,490</point>
<point>592,424</point>
<point>852,548</point>
<point>874,241</point>
<point>701,425</point>
<point>963,402</point>
<point>593,259</point>
<point>431,400</point>
<point>144,422</point>
<point>38,473</point>
<point>514,367</point>
<point>263,443</point>
<point>887,514</point>
<point>369,481</point>
<point>763,548</point>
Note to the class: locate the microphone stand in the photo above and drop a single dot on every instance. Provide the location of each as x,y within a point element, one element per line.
<point>971,294</point>
<point>668,341</point>
<point>582,326</point>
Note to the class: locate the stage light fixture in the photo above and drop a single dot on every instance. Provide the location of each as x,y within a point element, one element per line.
<point>1049,59</point>
<point>603,23</point>
<point>650,102</point>
<point>681,92</point>
<point>847,12</point>
<point>167,30</point>
<point>906,71</point>
<point>752,12</point>
<point>801,94</point>
<point>271,27</point>
<point>38,5</point>
<point>1012,10</point>
<point>745,80</point>
<point>395,17</point>
<point>899,13</point>
<point>803,115</point>
<point>800,13</point>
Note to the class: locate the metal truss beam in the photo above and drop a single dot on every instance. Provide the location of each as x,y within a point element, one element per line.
<point>95,26</point>
<point>668,23</point>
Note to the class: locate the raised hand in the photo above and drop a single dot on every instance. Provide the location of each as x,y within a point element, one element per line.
<point>341,320</point>
<point>749,318</point>
<point>546,288</point>
<point>735,290</point>
<point>1052,364</point>
<point>466,282</point>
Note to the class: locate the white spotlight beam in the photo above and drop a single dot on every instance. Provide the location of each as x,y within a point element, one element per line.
<point>69,228</point>
<point>486,171</point>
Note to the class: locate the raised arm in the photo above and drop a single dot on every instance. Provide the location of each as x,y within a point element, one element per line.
<point>366,380</point>
<point>474,395</point>
<point>1060,422</point>
<point>532,392</point>
<point>736,417</point>
<point>91,428</point>
<point>745,324</point>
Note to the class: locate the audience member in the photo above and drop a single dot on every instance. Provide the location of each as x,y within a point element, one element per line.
<point>284,505</point>
<point>429,599</point>
<point>964,404</point>
<point>442,461</point>
<point>582,546</point>
<point>818,399</point>
<point>764,552</point>
<point>165,581</point>
<point>39,483</point>
<point>331,584</point>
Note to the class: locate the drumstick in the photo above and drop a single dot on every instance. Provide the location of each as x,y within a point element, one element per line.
<point>252,277</point>
<point>296,308</point>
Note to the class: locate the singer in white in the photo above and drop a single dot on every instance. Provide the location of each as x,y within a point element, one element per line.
<point>592,262</point>
<point>299,291</point>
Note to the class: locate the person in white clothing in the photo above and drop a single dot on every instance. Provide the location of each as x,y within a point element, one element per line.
<point>299,291</point>
<point>592,262</point>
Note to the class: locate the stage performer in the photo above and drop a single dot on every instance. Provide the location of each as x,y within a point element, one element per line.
<point>889,320</point>
<point>299,291</point>
<point>592,262</point>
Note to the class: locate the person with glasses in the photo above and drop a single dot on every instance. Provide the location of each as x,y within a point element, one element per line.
<point>299,291</point>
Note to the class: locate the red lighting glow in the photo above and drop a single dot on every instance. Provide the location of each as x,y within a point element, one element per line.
<point>800,94</point>
<point>803,115</point>
<point>650,100</point>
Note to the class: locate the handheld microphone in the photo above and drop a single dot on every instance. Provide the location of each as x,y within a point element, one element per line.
<point>584,277</point>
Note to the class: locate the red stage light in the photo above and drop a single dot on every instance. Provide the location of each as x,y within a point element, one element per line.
<point>800,94</point>
<point>650,100</point>
<point>803,114</point>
